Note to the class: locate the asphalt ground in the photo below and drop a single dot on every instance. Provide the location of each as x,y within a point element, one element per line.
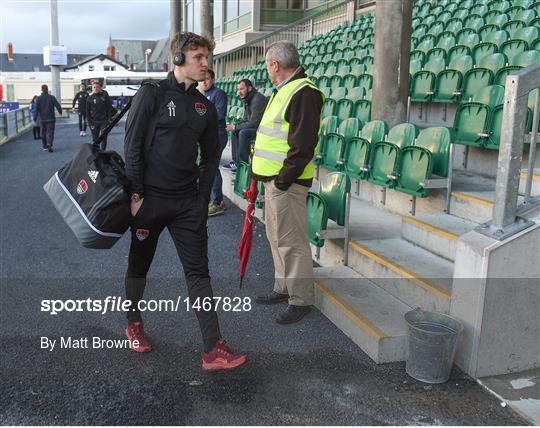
<point>304,374</point>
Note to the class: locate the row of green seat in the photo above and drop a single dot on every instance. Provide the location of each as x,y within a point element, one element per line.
<point>461,80</point>
<point>401,158</point>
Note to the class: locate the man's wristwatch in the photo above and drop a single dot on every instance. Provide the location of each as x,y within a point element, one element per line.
<point>135,197</point>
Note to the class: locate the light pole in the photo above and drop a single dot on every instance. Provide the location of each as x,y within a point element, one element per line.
<point>147,53</point>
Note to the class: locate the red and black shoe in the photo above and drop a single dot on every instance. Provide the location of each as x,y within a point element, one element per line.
<point>221,357</point>
<point>138,341</point>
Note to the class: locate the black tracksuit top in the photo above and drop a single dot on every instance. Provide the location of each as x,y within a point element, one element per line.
<point>186,120</point>
<point>99,108</point>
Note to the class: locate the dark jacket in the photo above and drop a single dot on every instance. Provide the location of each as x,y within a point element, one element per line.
<point>99,109</point>
<point>81,98</point>
<point>186,121</point>
<point>255,103</point>
<point>45,105</point>
<point>219,99</point>
<point>304,117</point>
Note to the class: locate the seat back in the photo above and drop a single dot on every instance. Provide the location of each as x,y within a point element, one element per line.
<point>344,109</point>
<point>384,157</point>
<point>374,131</point>
<point>334,188</point>
<point>489,95</point>
<point>493,62</point>
<point>349,128</point>
<point>349,81</point>
<point>338,93</point>
<point>527,33</point>
<point>328,124</point>
<point>511,48</point>
<point>357,157</point>
<point>317,217</point>
<point>362,110</point>
<point>524,59</point>
<point>329,107</point>
<point>355,94</point>
<point>403,134</point>
<point>414,166</point>
<point>470,121</point>
<point>474,80</point>
<point>242,179</point>
<point>437,141</point>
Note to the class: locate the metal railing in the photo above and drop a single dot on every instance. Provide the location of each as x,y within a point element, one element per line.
<point>14,122</point>
<point>506,212</point>
<point>250,53</point>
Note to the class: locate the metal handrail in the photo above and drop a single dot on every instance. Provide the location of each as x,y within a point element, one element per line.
<point>506,221</point>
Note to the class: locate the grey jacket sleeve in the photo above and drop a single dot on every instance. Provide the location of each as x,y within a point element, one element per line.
<point>258,105</point>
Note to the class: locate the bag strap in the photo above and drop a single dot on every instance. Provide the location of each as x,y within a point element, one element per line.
<point>159,96</point>
<point>105,131</point>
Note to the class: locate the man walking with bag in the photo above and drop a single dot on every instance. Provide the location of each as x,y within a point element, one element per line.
<point>44,111</point>
<point>286,142</point>
<point>165,126</point>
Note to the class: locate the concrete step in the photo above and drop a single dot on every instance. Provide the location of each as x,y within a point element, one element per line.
<point>370,316</point>
<point>472,206</point>
<point>437,233</point>
<point>414,275</point>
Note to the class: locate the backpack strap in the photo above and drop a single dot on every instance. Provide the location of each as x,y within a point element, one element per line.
<point>158,100</point>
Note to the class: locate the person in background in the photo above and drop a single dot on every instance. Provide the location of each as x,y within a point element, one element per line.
<point>99,110</point>
<point>244,131</point>
<point>80,102</point>
<point>45,105</point>
<point>121,101</point>
<point>35,128</point>
<point>218,97</point>
<point>286,142</point>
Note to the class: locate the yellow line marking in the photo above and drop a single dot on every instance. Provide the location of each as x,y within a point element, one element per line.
<point>536,177</point>
<point>472,198</point>
<point>404,272</point>
<point>355,317</point>
<point>430,228</point>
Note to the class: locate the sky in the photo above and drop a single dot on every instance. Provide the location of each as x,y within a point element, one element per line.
<point>84,26</point>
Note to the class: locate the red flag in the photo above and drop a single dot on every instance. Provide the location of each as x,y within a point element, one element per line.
<point>245,241</point>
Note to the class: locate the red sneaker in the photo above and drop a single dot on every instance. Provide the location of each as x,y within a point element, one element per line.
<point>138,341</point>
<point>221,357</point>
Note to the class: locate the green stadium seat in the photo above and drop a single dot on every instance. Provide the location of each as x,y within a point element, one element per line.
<point>436,28</point>
<point>521,60</point>
<point>454,25</point>
<point>358,69</point>
<point>242,179</point>
<point>317,218</point>
<point>329,107</point>
<point>461,13</point>
<point>496,18</point>
<point>335,82</point>
<point>499,5</point>
<point>473,21</point>
<point>513,47</point>
<point>438,141</point>
<point>456,52</point>
<point>414,66</point>
<point>512,27</point>
<point>420,31</point>
<point>414,165</point>
<point>335,143</point>
<point>423,81</point>
<point>326,91</point>
<point>529,34</point>
<point>323,81</point>
<point>486,30</point>
<point>334,189</point>
<point>493,62</point>
<point>471,120</point>
<point>473,80</point>
<point>344,109</point>
<point>448,84</point>
<point>365,81</point>
<point>357,154</point>
<point>526,16</point>
<point>362,110</point>
<point>343,70</point>
<point>349,81</point>
<point>419,56</point>
<point>403,134</point>
<point>479,9</point>
<point>355,94</point>
<point>483,49</point>
<point>383,164</point>
<point>338,93</point>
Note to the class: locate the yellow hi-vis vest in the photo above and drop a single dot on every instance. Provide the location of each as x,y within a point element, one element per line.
<point>271,144</point>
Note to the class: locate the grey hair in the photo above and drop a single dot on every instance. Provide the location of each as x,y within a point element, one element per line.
<point>285,53</point>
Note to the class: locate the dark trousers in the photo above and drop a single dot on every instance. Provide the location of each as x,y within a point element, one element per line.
<point>241,144</point>
<point>217,192</point>
<point>96,129</point>
<point>37,132</point>
<point>186,221</point>
<point>82,121</point>
<point>47,133</point>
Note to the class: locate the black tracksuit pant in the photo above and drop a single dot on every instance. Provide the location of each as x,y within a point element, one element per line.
<point>186,221</point>
<point>96,129</point>
<point>82,121</point>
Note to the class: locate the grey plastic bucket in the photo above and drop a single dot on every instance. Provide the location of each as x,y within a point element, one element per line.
<point>431,345</point>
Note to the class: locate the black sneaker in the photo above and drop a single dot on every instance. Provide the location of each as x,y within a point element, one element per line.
<point>292,314</point>
<point>49,148</point>
<point>231,166</point>
<point>272,298</point>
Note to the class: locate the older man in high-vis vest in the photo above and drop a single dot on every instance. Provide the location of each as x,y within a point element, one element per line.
<point>285,145</point>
